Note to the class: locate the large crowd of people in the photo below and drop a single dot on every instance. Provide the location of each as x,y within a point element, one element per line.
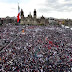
<point>36,49</point>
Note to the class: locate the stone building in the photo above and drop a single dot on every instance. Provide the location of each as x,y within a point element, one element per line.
<point>0,20</point>
<point>33,20</point>
<point>7,20</point>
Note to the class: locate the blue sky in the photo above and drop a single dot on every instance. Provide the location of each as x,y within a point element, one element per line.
<point>9,1</point>
<point>14,1</point>
<point>48,8</point>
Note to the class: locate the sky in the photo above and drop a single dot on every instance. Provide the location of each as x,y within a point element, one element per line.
<point>47,8</point>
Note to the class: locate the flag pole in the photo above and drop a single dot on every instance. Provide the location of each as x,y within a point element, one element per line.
<point>18,18</point>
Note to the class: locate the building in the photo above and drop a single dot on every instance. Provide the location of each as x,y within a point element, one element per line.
<point>7,20</point>
<point>33,20</point>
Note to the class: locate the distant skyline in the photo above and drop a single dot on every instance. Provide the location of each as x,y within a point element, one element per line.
<point>47,8</point>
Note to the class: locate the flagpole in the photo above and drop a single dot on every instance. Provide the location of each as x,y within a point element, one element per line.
<point>18,18</point>
<point>19,22</point>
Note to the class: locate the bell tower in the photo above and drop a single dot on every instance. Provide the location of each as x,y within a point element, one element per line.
<point>35,13</point>
<point>22,17</point>
<point>22,14</point>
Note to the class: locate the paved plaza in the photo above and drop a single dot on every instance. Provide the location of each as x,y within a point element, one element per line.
<point>35,48</point>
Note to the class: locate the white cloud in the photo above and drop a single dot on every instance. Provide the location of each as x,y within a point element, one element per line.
<point>61,1</point>
<point>30,6</point>
<point>7,9</point>
<point>48,8</point>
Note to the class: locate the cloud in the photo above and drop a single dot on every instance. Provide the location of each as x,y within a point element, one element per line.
<point>7,9</point>
<point>56,5</point>
<point>30,6</point>
<point>55,8</point>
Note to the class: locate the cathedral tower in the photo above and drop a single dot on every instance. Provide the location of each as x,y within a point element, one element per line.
<point>35,15</point>
<point>22,14</point>
<point>22,17</point>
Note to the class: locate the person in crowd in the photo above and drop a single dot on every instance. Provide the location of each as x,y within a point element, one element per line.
<point>38,49</point>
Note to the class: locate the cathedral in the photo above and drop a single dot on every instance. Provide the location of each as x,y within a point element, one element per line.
<point>33,20</point>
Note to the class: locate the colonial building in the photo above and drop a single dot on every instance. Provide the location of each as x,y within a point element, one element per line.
<point>7,20</point>
<point>33,20</point>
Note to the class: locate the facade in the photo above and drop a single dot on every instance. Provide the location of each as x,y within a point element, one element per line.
<point>7,20</point>
<point>33,20</point>
<point>0,20</point>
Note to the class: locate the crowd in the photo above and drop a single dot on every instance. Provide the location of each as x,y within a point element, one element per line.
<point>36,49</point>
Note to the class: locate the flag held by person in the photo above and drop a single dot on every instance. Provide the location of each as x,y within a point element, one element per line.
<point>50,42</point>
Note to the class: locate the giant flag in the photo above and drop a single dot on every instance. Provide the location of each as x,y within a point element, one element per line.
<point>18,17</point>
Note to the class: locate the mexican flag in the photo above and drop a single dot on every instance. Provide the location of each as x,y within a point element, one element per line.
<point>18,16</point>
